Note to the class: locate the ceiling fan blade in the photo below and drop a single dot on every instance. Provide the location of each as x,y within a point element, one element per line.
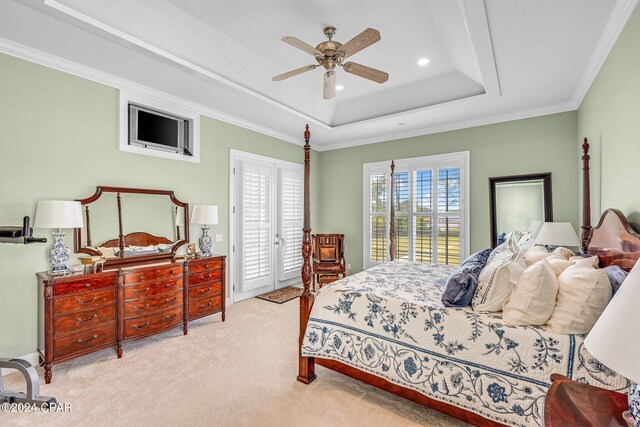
<point>329,88</point>
<point>295,42</point>
<point>293,73</point>
<point>366,72</point>
<point>359,42</point>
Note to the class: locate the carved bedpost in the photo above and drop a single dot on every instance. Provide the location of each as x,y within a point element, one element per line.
<point>121,244</point>
<point>392,217</point>
<point>586,196</point>
<point>306,365</point>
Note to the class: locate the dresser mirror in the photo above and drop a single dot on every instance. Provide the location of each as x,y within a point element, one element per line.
<point>518,202</point>
<point>127,225</point>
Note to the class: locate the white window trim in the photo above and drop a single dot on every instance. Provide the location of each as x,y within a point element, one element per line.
<point>174,109</point>
<point>425,162</point>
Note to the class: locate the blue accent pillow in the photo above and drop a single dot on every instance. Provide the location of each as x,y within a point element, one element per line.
<point>462,284</point>
<point>616,277</point>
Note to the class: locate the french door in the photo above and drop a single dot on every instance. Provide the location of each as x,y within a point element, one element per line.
<point>267,221</point>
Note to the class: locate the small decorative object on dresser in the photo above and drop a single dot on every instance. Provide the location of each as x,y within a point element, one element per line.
<point>205,215</point>
<point>190,250</point>
<point>58,214</point>
<point>615,338</point>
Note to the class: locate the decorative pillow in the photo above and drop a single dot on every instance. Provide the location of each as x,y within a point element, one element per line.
<point>140,248</point>
<point>583,294</point>
<point>535,254</point>
<point>616,276</point>
<point>165,247</point>
<point>563,252</point>
<point>504,267</point>
<point>558,263</point>
<point>593,261</point>
<point>534,296</point>
<point>526,241</point>
<point>461,285</point>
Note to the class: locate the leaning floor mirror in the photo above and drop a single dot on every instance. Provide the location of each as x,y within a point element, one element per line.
<point>518,202</point>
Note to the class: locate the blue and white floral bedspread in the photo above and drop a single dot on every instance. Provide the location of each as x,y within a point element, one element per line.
<point>389,321</point>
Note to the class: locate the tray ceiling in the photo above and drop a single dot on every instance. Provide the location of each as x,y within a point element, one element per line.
<point>489,60</point>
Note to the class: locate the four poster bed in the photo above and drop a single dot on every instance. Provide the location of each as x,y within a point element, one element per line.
<point>387,327</point>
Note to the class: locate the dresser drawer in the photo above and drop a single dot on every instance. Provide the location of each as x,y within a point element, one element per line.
<point>86,301</point>
<point>84,341</point>
<point>201,265</point>
<point>152,304</point>
<point>146,325</point>
<point>76,322</point>
<point>157,273</point>
<point>143,290</point>
<point>204,290</point>
<point>84,284</point>
<point>204,276</point>
<point>205,306</point>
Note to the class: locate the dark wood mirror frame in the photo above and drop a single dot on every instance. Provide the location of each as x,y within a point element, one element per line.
<point>137,238</point>
<point>548,207</point>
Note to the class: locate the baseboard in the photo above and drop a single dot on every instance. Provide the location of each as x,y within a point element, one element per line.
<point>31,358</point>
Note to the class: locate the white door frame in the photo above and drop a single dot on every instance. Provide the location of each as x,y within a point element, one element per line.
<point>234,155</point>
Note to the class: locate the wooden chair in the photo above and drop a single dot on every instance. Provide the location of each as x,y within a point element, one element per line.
<point>328,258</point>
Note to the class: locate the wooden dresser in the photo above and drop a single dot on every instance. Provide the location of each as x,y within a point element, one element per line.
<point>83,313</point>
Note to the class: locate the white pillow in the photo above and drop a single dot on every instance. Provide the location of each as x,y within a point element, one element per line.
<point>107,252</point>
<point>563,252</point>
<point>583,294</point>
<point>534,296</point>
<point>140,248</point>
<point>594,261</point>
<point>535,254</point>
<point>559,264</point>
<point>504,267</point>
<point>526,241</point>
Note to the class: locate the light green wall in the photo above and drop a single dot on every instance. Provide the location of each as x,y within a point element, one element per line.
<point>59,140</point>
<point>610,117</point>
<point>542,144</point>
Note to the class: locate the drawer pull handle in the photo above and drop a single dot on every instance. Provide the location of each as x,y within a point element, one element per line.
<point>171,317</point>
<point>207,277</point>
<point>169,285</point>
<point>204,291</point>
<point>140,307</point>
<point>172,272</point>
<point>94,317</point>
<point>206,265</point>
<point>144,325</point>
<point>141,292</point>
<point>207,305</point>
<point>171,299</point>
<point>87,302</point>
<point>141,277</point>
<point>87,285</point>
<point>87,341</point>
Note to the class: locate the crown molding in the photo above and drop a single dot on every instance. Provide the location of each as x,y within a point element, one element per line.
<point>501,118</point>
<point>51,61</point>
<point>621,13</point>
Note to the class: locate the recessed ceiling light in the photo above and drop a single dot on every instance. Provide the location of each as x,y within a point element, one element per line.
<point>339,87</point>
<point>423,62</point>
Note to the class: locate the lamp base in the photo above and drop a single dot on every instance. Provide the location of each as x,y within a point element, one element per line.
<point>59,254</point>
<point>205,242</point>
<point>634,403</point>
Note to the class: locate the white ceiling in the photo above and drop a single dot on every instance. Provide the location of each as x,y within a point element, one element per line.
<point>490,60</point>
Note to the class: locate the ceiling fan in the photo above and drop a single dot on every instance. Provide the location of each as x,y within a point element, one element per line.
<point>331,53</point>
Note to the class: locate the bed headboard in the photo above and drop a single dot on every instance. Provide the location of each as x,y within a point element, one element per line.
<point>614,241</point>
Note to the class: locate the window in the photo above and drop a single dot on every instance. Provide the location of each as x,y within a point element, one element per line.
<point>430,203</point>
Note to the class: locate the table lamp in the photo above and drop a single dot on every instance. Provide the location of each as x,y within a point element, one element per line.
<point>58,214</point>
<point>557,234</point>
<point>205,215</point>
<point>615,338</point>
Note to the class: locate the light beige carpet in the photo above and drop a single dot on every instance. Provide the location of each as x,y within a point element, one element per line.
<point>237,373</point>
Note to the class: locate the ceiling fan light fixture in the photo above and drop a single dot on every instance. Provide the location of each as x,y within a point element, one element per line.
<point>423,62</point>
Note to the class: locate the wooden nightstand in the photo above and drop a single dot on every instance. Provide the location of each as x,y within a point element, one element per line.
<point>572,403</point>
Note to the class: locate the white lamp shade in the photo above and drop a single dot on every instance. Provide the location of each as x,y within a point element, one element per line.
<point>58,214</point>
<point>204,214</point>
<point>179,217</point>
<point>557,234</point>
<point>615,338</point>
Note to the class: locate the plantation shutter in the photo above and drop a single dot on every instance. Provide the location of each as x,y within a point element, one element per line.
<point>378,230</point>
<point>449,203</point>
<point>291,222</point>
<point>423,216</point>
<point>257,239</point>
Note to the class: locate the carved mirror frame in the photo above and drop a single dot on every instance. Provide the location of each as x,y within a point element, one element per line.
<point>122,259</point>
<point>546,185</point>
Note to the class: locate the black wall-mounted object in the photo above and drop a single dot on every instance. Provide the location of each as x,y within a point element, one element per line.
<point>19,235</point>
